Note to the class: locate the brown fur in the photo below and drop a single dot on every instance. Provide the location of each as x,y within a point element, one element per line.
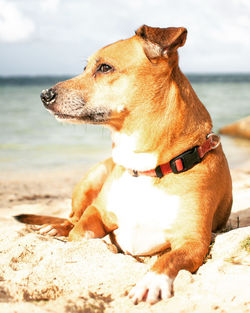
<point>147,94</point>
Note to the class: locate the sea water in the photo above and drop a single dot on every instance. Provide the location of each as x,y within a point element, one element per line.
<point>31,138</point>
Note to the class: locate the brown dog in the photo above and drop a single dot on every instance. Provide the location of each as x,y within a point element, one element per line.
<point>167,184</point>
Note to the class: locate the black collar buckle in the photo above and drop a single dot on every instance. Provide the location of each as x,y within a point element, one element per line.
<point>135,173</point>
<point>188,159</point>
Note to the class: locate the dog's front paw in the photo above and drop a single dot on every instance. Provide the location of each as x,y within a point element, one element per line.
<point>152,288</point>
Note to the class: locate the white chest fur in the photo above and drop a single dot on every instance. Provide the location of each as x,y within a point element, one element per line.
<point>125,153</point>
<point>144,214</point>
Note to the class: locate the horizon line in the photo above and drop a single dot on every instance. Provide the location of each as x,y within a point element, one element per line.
<point>73,75</point>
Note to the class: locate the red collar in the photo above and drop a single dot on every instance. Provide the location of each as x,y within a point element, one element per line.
<point>184,161</point>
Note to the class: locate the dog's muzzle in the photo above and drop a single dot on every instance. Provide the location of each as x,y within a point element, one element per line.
<point>48,96</point>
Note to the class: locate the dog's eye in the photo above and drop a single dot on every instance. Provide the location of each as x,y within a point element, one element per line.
<point>104,68</point>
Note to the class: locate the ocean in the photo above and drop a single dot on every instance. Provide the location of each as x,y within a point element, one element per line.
<point>31,138</point>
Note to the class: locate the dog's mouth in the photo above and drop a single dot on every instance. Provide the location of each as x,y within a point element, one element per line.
<point>90,117</point>
<point>62,116</point>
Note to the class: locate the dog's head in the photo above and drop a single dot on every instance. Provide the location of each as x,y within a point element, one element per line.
<point>119,79</point>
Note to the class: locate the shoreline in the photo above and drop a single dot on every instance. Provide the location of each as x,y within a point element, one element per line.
<point>52,183</point>
<point>64,157</point>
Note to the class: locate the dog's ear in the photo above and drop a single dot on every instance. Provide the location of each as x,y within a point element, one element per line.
<point>160,42</point>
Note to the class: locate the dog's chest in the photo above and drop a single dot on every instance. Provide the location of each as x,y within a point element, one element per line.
<point>144,213</point>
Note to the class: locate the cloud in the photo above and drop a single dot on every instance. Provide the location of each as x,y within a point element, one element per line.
<point>63,33</point>
<point>14,26</point>
<point>49,5</point>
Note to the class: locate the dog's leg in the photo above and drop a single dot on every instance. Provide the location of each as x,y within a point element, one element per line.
<point>157,283</point>
<point>88,188</point>
<point>83,195</point>
<point>92,225</point>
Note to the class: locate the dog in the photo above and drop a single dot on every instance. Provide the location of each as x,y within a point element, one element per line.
<point>167,185</point>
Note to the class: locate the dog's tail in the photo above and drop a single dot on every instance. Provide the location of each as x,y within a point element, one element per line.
<point>39,219</point>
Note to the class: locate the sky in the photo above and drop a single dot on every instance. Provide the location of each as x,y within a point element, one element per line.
<point>55,37</point>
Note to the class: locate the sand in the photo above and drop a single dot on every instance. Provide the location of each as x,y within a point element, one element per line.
<point>43,274</point>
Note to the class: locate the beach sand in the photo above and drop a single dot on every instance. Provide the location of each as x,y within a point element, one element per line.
<point>44,274</point>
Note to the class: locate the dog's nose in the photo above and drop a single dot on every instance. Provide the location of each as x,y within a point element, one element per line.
<point>48,96</point>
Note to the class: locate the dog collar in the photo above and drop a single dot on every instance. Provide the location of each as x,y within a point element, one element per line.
<point>184,161</point>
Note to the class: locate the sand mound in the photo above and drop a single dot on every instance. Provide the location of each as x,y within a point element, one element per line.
<point>44,274</point>
<point>240,128</point>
